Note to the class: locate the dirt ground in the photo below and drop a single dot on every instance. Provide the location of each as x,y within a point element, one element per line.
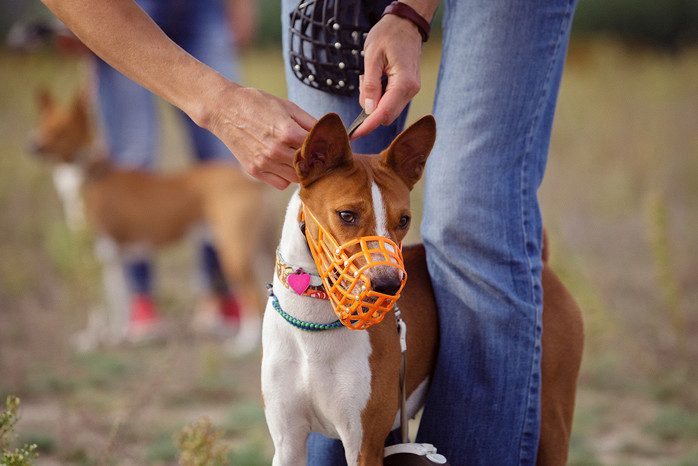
<point>620,201</point>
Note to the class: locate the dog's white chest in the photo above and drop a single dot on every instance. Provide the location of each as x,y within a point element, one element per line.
<point>321,379</point>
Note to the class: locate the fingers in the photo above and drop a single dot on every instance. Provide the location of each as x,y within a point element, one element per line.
<point>300,116</point>
<point>370,88</point>
<point>398,94</point>
<point>276,164</point>
<point>274,180</point>
<point>287,172</point>
<point>291,137</point>
<point>264,132</point>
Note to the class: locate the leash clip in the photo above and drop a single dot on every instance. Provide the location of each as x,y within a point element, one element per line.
<point>401,330</point>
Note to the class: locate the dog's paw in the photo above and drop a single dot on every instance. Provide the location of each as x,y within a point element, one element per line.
<point>95,335</point>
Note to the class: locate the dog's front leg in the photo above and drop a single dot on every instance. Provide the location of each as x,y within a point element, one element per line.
<point>116,291</point>
<point>290,437</point>
<point>351,440</point>
<point>286,406</point>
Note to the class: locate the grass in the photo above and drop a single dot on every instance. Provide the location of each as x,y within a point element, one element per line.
<point>625,136</point>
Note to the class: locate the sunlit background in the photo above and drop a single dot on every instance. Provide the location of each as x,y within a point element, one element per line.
<point>620,202</point>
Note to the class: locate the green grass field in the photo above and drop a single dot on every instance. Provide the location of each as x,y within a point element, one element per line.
<point>620,201</point>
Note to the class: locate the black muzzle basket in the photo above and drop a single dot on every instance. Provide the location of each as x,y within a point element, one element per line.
<point>326,42</point>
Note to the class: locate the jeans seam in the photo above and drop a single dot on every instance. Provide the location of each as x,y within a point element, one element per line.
<point>525,450</point>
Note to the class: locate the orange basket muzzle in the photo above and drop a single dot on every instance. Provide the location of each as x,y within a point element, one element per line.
<point>346,274</point>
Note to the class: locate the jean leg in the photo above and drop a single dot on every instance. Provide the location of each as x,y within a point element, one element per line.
<point>319,103</point>
<point>129,120</point>
<point>496,95</point>
<point>202,29</point>
<point>140,277</point>
<point>129,124</point>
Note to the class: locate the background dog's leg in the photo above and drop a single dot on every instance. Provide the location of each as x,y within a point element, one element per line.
<point>116,292</point>
<point>67,179</point>
<point>252,302</point>
<point>238,250</point>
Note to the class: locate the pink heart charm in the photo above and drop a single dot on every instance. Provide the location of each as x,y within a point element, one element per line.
<point>299,282</point>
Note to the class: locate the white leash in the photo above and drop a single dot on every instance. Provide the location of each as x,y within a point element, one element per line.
<point>408,453</point>
<point>402,333</point>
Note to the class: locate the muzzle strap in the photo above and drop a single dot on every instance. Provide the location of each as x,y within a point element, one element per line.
<point>346,272</point>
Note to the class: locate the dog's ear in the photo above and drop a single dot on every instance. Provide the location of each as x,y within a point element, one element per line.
<point>44,99</point>
<point>408,153</point>
<point>325,148</point>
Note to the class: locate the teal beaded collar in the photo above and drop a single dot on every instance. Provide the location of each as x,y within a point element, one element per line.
<point>301,324</point>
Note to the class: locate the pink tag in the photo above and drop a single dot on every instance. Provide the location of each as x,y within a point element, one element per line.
<point>299,282</point>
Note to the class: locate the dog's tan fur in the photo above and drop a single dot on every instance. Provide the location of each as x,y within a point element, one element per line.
<point>326,165</point>
<point>135,207</point>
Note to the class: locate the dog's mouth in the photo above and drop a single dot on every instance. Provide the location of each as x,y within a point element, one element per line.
<point>370,300</point>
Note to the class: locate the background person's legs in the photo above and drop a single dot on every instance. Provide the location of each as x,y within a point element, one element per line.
<point>202,29</point>
<point>496,95</point>
<point>130,126</point>
<point>319,103</point>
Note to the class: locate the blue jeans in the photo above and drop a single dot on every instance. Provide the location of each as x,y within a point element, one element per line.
<point>129,111</point>
<point>130,118</point>
<point>497,89</point>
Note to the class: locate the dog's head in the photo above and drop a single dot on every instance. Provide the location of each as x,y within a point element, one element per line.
<point>63,131</point>
<point>361,201</point>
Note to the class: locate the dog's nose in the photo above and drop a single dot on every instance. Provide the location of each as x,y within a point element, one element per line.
<point>386,285</point>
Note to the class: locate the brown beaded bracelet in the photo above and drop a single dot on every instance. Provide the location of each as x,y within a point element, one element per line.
<point>405,11</point>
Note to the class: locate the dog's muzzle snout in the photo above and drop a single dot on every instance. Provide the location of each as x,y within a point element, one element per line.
<point>362,277</point>
<point>385,280</point>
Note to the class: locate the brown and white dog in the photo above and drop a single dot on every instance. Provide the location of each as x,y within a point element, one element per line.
<point>344,383</point>
<point>134,209</point>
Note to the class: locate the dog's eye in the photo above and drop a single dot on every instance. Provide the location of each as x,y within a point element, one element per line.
<point>347,216</point>
<point>404,221</point>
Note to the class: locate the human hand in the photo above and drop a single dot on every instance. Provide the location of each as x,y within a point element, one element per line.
<point>393,48</point>
<point>262,131</point>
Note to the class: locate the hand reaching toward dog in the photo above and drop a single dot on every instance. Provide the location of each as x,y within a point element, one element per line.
<point>393,48</point>
<point>263,131</point>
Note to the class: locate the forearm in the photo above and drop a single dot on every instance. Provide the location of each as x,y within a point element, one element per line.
<point>126,38</point>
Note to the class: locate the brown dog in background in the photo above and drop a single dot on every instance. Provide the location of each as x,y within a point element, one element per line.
<point>131,209</point>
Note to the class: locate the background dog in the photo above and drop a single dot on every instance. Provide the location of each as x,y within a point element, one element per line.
<point>132,209</point>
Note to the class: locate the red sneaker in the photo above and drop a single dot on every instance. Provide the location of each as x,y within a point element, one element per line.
<point>143,310</point>
<point>230,308</point>
<point>217,316</point>
<point>144,324</point>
